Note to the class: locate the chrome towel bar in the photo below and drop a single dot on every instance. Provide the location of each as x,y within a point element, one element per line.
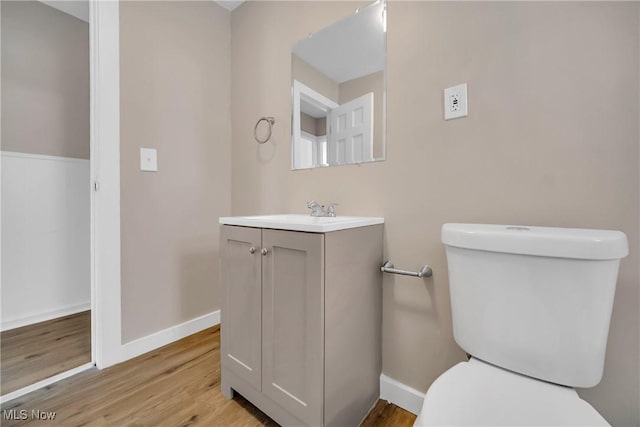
<point>388,267</point>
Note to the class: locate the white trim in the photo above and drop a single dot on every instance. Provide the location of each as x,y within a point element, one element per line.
<point>167,336</point>
<point>307,135</point>
<point>42,157</point>
<point>93,173</point>
<point>77,8</point>
<point>104,33</point>
<point>300,91</point>
<point>400,394</point>
<point>43,317</point>
<point>47,381</point>
<point>315,98</point>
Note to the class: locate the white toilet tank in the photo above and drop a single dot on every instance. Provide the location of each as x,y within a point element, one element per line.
<point>534,300</point>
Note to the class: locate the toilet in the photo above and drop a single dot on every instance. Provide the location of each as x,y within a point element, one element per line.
<point>531,307</point>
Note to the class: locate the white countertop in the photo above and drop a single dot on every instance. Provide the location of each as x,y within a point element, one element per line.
<point>307,223</point>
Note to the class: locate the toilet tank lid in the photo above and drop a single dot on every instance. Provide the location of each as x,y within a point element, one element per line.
<point>539,241</point>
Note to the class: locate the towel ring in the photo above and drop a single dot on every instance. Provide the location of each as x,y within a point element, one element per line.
<point>270,121</point>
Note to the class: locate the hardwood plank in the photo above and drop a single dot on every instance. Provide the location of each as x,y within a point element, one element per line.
<point>35,352</point>
<point>177,385</point>
<point>388,414</point>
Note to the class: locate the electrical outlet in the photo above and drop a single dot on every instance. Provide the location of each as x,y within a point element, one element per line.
<point>455,102</point>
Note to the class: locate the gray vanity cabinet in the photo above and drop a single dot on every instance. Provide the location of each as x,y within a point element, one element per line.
<point>242,333</point>
<point>293,322</point>
<point>301,322</point>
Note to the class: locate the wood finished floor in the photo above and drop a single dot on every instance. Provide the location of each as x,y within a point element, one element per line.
<point>177,385</point>
<point>35,352</point>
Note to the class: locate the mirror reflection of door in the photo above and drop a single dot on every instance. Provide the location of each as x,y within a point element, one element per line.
<point>46,287</point>
<point>339,76</point>
<point>351,131</point>
<point>312,126</point>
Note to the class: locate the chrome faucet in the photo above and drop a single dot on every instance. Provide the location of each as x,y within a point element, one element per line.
<point>331,210</point>
<point>318,210</point>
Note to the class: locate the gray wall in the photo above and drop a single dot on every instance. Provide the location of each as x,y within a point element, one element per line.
<point>552,139</point>
<point>317,127</point>
<point>174,64</point>
<point>306,74</point>
<point>45,81</point>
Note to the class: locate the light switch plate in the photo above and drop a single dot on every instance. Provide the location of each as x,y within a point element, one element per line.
<point>455,102</point>
<point>148,160</point>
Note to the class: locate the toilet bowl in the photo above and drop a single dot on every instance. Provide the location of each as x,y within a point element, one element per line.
<point>477,393</point>
<point>532,307</point>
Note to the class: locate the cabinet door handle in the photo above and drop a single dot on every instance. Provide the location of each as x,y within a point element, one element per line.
<point>264,251</point>
<point>252,250</point>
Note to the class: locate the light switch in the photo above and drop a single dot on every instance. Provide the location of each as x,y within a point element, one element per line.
<point>148,160</point>
<point>455,102</point>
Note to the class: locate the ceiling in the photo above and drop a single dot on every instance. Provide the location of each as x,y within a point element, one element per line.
<point>76,8</point>
<point>350,48</point>
<point>80,8</point>
<point>229,5</point>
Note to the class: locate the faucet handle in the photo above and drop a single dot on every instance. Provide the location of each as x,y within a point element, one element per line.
<point>331,209</point>
<point>311,204</point>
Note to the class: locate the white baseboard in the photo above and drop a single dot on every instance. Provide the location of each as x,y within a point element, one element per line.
<point>47,381</point>
<point>43,317</point>
<point>400,394</point>
<point>42,157</point>
<point>167,336</point>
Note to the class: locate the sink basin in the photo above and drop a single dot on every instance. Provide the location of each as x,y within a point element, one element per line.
<point>307,223</point>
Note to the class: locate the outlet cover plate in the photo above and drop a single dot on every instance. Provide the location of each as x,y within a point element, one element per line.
<point>455,102</point>
<point>148,160</point>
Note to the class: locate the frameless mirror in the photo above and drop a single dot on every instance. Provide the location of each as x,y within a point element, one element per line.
<point>338,86</point>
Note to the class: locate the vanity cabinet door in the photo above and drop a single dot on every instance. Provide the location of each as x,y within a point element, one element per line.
<point>293,322</point>
<point>241,302</point>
